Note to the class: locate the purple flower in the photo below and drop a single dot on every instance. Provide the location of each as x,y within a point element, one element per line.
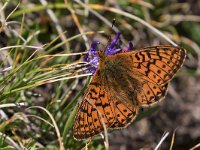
<point>112,49</point>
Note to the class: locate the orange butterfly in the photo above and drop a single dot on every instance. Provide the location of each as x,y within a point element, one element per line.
<point>122,83</point>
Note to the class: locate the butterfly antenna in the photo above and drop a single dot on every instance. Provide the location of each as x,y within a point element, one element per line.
<point>113,22</point>
<point>108,36</point>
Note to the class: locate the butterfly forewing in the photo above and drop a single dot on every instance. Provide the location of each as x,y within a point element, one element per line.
<point>95,106</point>
<point>124,115</point>
<point>99,107</point>
<point>157,64</point>
<point>151,93</point>
<point>153,67</point>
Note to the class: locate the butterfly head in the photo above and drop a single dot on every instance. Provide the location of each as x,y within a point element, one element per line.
<point>98,52</point>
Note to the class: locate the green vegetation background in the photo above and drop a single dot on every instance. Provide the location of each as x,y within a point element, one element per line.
<point>41,80</point>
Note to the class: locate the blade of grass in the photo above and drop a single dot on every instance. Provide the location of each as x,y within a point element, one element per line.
<point>54,123</point>
<point>69,121</point>
<point>172,141</point>
<point>161,141</point>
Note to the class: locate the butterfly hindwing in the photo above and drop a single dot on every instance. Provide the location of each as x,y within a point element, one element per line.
<point>151,94</point>
<point>124,115</point>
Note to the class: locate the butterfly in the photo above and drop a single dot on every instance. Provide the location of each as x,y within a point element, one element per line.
<point>123,82</point>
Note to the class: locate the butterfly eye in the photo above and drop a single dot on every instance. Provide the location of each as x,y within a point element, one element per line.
<point>100,48</point>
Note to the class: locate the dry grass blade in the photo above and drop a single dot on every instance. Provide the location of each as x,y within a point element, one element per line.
<point>143,3</point>
<point>4,22</point>
<point>64,78</point>
<point>54,123</point>
<point>161,141</point>
<point>106,142</point>
<point>10,141</point>
<point>55,21</point>
<point>77,22</point>
<point>172,141</point>
<point>195,47</point>
<point>20,46</point>
<point>106,21</point>
<point>195,147</point>
<point>178,18</point>
<point>13,105</point>
<point>117,11</point>
<point>40,119</point>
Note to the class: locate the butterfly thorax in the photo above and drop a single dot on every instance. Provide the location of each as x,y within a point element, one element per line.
<point>104,60</point>
<point>114,73</point>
